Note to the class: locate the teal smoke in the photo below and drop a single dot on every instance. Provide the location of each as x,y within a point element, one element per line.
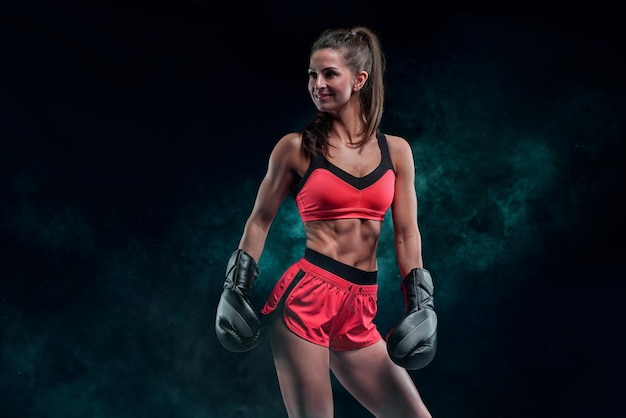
<point>118,215</point>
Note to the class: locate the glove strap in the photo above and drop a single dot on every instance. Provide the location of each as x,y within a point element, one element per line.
<point>241,271</point>
<point>418,288</point>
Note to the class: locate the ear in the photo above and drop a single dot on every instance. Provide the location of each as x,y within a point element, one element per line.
<point>359,80</point>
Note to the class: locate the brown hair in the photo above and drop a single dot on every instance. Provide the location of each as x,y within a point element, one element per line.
<point>362,51</point>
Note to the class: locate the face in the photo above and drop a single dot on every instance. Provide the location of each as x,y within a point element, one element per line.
<point>331,82</point>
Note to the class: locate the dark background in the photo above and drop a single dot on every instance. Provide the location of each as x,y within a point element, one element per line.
<point>134,136</point>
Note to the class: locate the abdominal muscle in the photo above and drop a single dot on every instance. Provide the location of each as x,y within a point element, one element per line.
<point>349,241</point>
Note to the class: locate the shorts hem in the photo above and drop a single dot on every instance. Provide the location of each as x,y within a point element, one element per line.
<point>361,345</point>
<point>306,337</point>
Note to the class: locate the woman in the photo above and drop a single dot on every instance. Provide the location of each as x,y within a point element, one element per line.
<point>345,175</point>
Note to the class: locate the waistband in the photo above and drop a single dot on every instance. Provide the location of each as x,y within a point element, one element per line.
<point>349,273</point>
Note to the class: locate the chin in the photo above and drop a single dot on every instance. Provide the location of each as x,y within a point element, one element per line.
<point>325,107</point>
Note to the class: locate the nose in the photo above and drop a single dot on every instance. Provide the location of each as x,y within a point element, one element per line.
<point>320,83</point>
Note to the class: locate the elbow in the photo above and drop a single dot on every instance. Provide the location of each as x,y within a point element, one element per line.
<point>259,225</point>
<point>261,221</point>
<point>402,236</point>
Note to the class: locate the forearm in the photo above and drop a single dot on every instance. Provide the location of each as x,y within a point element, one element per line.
<point>409,252</point>
<point>253,238</point>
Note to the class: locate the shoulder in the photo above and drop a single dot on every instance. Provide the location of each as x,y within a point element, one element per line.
<point>287,145</point>
<point>288,152</point>
<point>292,140</point>
<point>397,144</point>
<point>289,142</point>
<point>400,152</point>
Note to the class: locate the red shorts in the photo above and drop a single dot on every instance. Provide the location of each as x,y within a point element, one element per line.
<point>327,302</point>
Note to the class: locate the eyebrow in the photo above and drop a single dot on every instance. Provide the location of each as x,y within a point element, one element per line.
<point>326,68</point>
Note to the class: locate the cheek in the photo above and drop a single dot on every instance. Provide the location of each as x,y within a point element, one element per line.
<point>348,88</point>
<point>347,93</point>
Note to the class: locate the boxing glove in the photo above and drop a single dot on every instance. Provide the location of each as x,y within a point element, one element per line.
<point>412,343</point>
<point>237,324</point>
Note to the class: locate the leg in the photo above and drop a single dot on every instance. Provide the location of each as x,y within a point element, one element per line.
<point>303,372</point>
<point>381,386</point>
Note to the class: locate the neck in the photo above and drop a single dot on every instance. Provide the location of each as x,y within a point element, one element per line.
<point>350,135</point>
<point>348,126</point>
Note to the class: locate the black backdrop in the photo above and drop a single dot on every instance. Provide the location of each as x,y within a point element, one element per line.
<point>134,135</point>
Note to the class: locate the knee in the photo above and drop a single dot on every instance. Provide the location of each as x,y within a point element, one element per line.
<point>426,414</point>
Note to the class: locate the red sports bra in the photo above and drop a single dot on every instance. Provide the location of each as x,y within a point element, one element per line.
<point>327,192</point>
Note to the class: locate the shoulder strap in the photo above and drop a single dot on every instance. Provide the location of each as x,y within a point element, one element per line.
<point>316,161</point>
<point>384,150</point>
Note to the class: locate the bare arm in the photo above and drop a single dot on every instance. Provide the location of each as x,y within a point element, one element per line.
<point>272,191</point>
<point>408,240</point>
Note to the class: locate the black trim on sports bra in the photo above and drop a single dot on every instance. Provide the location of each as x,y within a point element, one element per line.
<point>360,183</point>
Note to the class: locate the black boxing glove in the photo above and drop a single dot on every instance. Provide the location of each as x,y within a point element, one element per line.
<point>412,343</point>
<point>237,324</point>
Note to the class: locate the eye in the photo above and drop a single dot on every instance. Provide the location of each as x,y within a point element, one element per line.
<point>312,75</point>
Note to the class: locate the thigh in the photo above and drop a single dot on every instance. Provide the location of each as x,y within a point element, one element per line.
<point>303,371</point>
<point>381,386</point>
